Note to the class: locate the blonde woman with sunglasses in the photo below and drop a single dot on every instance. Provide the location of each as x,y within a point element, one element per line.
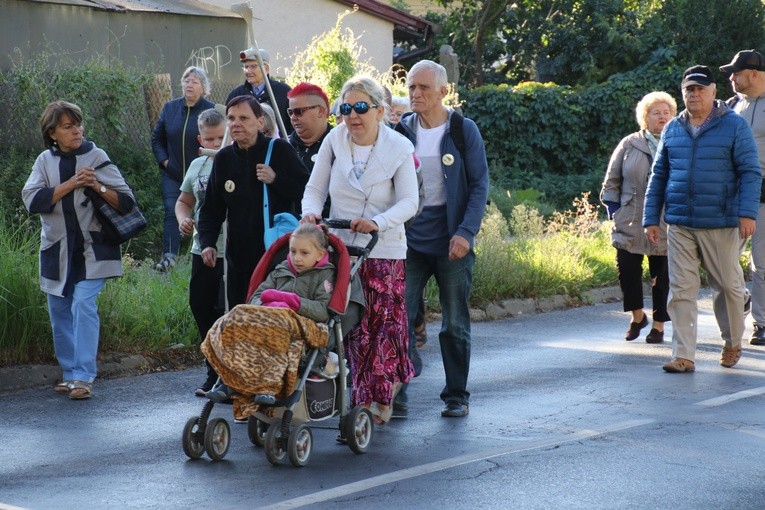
<point>367,170</point>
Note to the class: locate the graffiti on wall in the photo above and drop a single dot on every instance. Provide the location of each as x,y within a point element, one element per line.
<point>211,59</point>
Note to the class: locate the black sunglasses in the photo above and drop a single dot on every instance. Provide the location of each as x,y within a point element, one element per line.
<point>298,112</point>
<point>361,108</point>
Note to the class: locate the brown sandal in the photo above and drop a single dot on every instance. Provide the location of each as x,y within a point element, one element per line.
<point>63,388</point>
<point>80,390</point>
<point>420,336</point>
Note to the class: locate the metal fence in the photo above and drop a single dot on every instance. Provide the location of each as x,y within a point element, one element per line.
<point>21,132</point>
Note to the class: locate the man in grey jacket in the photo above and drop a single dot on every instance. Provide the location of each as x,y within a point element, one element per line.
<point>747,76</point>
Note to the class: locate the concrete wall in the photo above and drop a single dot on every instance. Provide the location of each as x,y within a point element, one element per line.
<point>171,41</point>
<point>287,27</point>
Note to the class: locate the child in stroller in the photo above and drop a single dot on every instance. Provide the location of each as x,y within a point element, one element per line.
<point>270,355</point>
<point>303,283</point>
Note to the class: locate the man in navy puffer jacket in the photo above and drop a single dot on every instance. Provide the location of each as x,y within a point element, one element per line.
<point>706,178</point>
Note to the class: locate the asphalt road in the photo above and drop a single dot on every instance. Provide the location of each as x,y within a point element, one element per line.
<point>564,414</point>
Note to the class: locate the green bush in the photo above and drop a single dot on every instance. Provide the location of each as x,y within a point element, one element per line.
<point>556,139</point>
<point>145,310</point>
<point>567,254</point>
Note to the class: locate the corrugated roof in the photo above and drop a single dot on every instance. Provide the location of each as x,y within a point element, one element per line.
<point>405,24</point>
<point>189,7</point>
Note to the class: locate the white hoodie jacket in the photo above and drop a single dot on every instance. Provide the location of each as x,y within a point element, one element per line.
<point>386,193</point>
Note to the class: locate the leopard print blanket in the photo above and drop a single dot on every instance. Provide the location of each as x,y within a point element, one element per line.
<point>256,350</point>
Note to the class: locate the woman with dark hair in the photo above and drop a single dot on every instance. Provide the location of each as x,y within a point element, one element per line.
<point>235,192</point>
<point>75,261</point>
<point>175,146</point>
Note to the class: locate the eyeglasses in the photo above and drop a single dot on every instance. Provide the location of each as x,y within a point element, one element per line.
<point>298,112</point>
<point>361,108</point>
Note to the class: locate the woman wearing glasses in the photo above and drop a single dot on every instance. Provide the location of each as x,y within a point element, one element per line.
<point>367,170</point>
<point>175,146</point>
<point>623,195</point>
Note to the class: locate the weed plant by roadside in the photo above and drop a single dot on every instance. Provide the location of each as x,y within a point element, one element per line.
<point>142,311</point>
<point>145,310</point>
<point>527,256</point>
<point>23,308</point>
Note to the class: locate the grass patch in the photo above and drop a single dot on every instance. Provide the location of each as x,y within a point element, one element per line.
<point>530,256</point>
<point>141,312</point>
<point>23,307</point>
<point>525,255</point>
<point>146,310</point>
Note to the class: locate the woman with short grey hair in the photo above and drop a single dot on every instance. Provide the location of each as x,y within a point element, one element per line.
<point>175,146</point>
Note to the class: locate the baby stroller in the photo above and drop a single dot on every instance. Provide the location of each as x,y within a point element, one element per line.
<point>282,426</point>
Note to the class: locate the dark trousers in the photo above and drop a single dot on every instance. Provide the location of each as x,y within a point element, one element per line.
<point>205,293</point>
<point>237,283</point>
<point>206,297</point>
<point>630,268</point>
<point>171,236</point>
<point>454,279</point>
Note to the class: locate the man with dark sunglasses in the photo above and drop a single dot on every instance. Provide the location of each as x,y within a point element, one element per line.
<point>255,85</point>
<point>308,112</point>
<point>440,239</point>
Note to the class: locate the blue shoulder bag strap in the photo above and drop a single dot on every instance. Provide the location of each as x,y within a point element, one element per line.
<point>266,216</point>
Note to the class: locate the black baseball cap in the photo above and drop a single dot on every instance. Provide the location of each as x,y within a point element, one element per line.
<point>697,75</point>
<point>746,59</point>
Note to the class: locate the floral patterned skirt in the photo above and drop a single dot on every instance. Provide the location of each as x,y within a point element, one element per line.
<point>378,346</point>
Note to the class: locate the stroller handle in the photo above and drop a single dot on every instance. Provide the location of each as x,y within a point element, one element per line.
<point>353,250</point>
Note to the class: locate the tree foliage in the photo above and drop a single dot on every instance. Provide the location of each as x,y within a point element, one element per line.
<point>330,59</point>
<point>583,42</point>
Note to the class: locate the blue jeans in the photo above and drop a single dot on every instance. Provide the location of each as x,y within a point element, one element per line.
<point>454,280</point>
<point>171,236</point>
<point>76,328</point>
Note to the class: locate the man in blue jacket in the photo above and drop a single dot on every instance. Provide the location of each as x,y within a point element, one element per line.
<point>707,178</point>
<point>441,238</point>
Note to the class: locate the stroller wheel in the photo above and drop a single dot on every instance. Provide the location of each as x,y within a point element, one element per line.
<point>276,451</point>
<point>359,428</point>
<point>299,445</point>
<point>193,439</point>
<point>217,438</point>
<point>256,431</point>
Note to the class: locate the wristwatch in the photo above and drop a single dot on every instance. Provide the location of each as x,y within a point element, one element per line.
<point>102,189</point>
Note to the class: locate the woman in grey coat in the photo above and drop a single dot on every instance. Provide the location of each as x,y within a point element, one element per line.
<point>623,194</point>
<point>75,260</point>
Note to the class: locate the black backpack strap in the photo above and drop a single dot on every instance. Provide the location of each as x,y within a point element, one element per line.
<point>456,132</point>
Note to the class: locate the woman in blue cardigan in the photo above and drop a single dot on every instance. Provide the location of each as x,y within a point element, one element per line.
<point>175,146</point>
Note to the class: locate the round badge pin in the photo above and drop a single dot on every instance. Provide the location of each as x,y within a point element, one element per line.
<point>313,158</point>
<point>447,159</point>
<point>230,186</point>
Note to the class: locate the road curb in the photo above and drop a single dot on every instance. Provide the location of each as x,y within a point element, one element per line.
<point>518,307</point>
<point>114,365</point>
